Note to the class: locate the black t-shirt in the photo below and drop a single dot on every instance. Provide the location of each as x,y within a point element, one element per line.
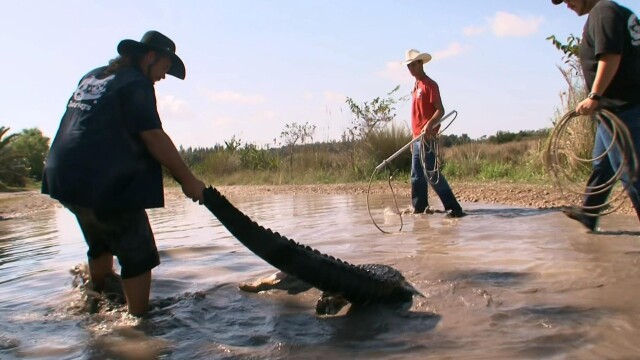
<point>97,158</point>
<point>613,29</point>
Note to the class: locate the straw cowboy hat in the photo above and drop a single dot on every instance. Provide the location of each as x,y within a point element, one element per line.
<point>413,55</point>
<point>153,40</point>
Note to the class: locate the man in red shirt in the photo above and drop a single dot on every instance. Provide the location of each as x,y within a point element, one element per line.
<point>427,109</point>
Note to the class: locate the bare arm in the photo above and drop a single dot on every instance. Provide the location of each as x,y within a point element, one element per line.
<point>164,151</point>
<point>437,115</point>
<point>607,68</point>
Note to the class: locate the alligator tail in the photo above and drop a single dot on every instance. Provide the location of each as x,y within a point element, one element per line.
<point>324,272</point>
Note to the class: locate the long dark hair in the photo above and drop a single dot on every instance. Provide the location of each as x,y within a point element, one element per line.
<point>124,61</point>
<point>128,60</point>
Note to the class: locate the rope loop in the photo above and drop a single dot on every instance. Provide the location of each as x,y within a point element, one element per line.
<point>564,163</point>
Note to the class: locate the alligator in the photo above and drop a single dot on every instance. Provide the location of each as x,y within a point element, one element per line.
<point>340,281</point>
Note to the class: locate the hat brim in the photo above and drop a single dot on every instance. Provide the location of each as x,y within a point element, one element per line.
<point>126,47</point>
<point>557,2</point>
<point>424,57</point>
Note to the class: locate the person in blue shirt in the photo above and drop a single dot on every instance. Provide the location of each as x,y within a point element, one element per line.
<point>105,162</point>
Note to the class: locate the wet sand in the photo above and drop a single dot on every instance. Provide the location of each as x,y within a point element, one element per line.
<point>540,196</point>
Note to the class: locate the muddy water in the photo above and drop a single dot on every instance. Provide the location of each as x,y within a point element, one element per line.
<point>502,282</point>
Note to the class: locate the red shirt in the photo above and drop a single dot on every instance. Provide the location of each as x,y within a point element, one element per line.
<point>424,97</point>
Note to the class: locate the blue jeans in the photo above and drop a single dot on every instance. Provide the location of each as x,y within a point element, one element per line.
<point>420,184</point>
<point>605,168</point>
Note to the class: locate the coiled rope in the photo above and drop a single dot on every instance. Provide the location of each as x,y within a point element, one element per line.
<point>561,160</point>
<point>430,144</point>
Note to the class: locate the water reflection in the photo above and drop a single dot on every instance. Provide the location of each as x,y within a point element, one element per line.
<point>503,282</point>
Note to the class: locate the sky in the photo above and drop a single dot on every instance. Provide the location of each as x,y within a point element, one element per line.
<point>254,67</point>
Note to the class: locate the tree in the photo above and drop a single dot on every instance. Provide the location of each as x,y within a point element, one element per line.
<point>33,146</point>
<point>371,116</point>
<point>233,144</point>
<point>294,133</point>
<point>570,49</point>
<point>13,169</point>
<point>367,135</point>
<point>453,139</point>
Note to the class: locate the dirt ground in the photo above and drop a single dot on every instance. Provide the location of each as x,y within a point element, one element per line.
<point>13,204</point>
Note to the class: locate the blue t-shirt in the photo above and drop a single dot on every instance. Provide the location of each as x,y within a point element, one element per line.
<point>97,158</point>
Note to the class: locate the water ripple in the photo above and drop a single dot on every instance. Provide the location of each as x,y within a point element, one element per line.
<point>501,283</point>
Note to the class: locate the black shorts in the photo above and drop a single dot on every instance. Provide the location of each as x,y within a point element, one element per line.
<point>125,234</point>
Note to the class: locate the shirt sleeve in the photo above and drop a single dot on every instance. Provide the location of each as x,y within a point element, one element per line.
<point>139,107</point>
<point>434,93</point>
<point>608,29</point>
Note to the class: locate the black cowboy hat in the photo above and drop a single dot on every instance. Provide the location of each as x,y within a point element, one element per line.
<point>153,40</point>
<point>557,2</point>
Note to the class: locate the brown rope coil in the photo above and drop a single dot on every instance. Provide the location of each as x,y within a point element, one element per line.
<point>566,166</point>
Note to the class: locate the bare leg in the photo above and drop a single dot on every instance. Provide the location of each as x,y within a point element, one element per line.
<point>99,269</point>
<point>137,290</point>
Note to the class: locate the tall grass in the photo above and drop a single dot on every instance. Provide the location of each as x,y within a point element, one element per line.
<point>335,162</point>
<point>567,150</point>
<point>330,162</point>
<point>513,161</point>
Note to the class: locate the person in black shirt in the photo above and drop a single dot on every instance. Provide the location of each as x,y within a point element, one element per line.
<point>105,162</point>
<point>610,60</point>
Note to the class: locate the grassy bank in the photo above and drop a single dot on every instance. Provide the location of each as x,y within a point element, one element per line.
<point>475,161</point>
<point>505,157</point>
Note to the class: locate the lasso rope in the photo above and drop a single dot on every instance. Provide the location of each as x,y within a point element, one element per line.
<point>558,158</point>
<point>430,144</point>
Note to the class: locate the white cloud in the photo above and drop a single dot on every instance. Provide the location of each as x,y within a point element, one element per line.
<point>454,49</point>
<point>228,96</point>
<point>334,97</point>
<point>474,30</point>
<point>504,24</point>
<point>170,106</point>
<point>395,71</point>
<point>222,121</point>
<point>262,116</point>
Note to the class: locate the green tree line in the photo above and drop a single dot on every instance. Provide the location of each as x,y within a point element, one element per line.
<point>294,158</point>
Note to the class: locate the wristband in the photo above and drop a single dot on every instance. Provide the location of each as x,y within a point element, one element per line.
<point>593,96</point>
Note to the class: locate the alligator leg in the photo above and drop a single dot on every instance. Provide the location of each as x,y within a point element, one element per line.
<point>328,304</point>
<point>277,281</point>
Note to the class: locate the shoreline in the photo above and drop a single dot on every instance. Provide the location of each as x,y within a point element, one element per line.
<point>540,196</point>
